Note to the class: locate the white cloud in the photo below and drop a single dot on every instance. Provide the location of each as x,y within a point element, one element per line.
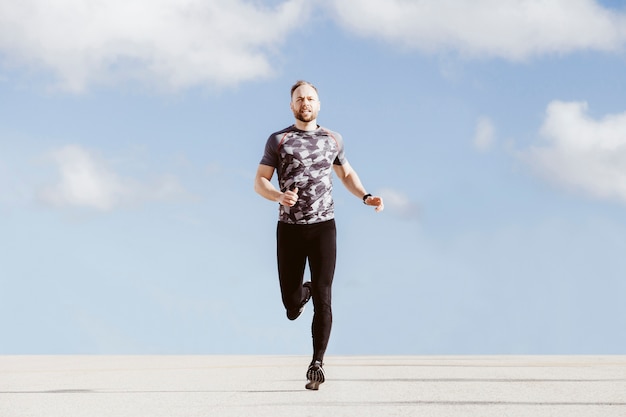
<point>581,152</point>
<point>171,43</point>
<point>484,136</point>
<point>399,204</point>
<point>510,29</point>
<point>177,44</point>
<point>85,180</point>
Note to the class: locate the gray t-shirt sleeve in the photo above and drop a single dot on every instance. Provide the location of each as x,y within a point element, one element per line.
<point>341,156</point>
<point>270,156</point>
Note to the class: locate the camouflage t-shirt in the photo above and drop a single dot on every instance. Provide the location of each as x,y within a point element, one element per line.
<point>304,159</point>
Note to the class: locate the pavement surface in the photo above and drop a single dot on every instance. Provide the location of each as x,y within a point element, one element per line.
<point>257,386</point>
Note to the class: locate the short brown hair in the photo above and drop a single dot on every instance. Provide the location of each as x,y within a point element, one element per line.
<point>300,83</point>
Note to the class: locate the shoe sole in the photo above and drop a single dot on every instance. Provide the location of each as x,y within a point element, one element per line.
<point>313,385</point>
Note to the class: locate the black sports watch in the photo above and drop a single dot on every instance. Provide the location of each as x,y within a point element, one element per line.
<point>365,197</point>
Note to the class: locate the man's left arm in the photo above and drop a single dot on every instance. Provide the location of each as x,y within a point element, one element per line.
<point>351,181</point>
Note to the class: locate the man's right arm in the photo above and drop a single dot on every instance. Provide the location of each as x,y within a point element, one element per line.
<point>264,187</point>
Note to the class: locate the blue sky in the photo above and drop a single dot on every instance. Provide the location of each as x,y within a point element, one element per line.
<point>131,132</point>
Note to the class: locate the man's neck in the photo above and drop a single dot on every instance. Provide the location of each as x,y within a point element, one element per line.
<point>307,126</point>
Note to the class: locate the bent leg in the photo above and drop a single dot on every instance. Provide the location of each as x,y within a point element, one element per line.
<point>291,257</point>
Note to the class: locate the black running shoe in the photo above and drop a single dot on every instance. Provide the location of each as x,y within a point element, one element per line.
<point>294,314</point>
<point>315,375</point>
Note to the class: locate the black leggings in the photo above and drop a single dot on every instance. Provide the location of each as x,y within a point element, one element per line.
<point>318,243</point>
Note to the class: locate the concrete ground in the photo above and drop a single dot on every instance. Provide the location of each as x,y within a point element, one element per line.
<point>256,386</point>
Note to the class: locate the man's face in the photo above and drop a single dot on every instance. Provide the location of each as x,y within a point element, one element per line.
<point>305,103</point>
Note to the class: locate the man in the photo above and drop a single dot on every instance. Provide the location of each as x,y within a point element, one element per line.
<point>305,155</point>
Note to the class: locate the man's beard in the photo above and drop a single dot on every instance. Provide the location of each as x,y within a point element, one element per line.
<point>309,117</point>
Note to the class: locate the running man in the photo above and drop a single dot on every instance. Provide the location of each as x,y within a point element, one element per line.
<point>304,156</point>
